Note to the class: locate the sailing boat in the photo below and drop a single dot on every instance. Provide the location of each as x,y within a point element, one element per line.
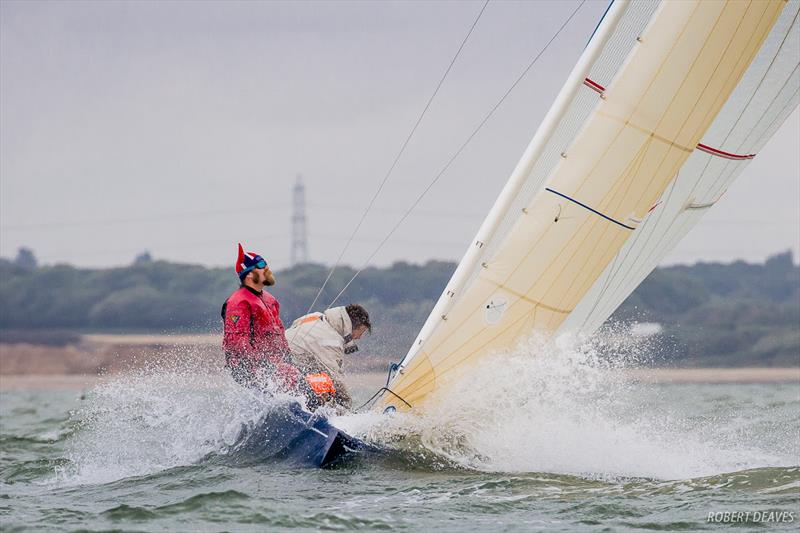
<point>665,107</point>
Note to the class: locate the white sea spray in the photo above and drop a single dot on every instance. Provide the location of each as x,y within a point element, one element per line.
<point>567,406</point>
<point>563,406</point>
<point>166,414</point>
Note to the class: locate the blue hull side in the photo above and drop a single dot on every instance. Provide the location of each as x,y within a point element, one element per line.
<point>291,434</point>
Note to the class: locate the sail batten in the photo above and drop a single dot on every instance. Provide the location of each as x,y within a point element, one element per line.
<point>578,223</point>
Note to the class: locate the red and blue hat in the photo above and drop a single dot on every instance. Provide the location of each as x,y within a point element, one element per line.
<point>247,261</point>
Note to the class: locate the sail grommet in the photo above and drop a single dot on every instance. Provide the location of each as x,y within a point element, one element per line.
<point>484,265</point>
<point>525,210</point>
<point>639,39</point>
<point>444,317</point>
<point>564,155</point>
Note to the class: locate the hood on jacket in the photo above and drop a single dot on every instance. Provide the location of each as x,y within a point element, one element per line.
<point>338,318</point>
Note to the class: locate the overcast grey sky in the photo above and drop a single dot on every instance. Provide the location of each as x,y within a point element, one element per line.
<point>179,128</point>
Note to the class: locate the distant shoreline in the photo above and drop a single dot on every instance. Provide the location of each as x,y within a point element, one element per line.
<point>98,356</point>
<point>375,379</point>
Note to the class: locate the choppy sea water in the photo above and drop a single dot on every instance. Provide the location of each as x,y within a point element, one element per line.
<point>559,442</point>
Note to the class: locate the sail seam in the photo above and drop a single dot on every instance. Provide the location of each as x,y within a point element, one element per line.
<point>595,211</point>
<point>650,133</point>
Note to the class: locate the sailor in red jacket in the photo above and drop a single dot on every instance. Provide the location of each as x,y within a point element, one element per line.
<point>256,351</point>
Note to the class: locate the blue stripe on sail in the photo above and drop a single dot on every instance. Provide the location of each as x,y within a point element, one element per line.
<point>596,212</point>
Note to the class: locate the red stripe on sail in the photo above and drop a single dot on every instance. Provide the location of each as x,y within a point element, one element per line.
<point>720,153</point>
<point>594,85</point>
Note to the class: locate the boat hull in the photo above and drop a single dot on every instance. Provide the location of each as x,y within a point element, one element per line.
<point>290,434</point>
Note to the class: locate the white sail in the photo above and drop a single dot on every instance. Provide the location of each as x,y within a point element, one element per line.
<point>613,177</point>
<point>762,101</point>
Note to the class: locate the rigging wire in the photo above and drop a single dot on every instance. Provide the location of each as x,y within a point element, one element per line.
<point>458,152</point>
<point>397,158</point>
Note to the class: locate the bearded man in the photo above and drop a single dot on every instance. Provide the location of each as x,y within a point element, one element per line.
<point>254,342</point>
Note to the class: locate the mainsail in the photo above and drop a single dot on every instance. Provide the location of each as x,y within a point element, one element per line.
<point>666,105</point>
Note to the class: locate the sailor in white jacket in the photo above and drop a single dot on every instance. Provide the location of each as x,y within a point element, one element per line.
<point>319,341</point>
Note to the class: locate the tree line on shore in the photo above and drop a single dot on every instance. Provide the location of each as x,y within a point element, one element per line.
<point>711,313</point>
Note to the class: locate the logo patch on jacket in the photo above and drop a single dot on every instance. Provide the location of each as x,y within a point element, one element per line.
<point>234,318</point>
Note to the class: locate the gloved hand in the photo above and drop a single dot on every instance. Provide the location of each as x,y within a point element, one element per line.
<point>318,389</point>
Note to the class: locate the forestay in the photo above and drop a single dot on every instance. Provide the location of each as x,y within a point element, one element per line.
<point>666,105</point>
